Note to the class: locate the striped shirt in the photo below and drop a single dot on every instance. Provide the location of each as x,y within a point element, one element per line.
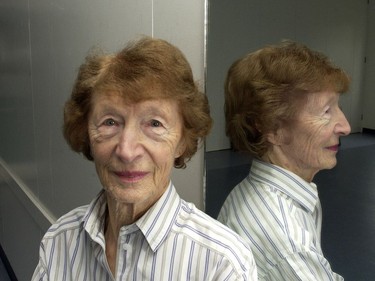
<point>173,240</point>
<point>279,214</point>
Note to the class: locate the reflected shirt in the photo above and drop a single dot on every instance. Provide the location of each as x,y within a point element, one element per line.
<point>279,214</point>
<point>173,240</point>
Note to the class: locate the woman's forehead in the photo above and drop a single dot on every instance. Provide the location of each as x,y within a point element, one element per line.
<point>135,92</point>
<point>116,99</point>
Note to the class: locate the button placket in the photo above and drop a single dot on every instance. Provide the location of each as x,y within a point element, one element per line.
<point>124,262</point>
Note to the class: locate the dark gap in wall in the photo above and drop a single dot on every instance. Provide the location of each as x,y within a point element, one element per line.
<point>7,265</point>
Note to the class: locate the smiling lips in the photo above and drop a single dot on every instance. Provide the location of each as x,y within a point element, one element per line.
<point>333,147</point>
<point>131,176</point>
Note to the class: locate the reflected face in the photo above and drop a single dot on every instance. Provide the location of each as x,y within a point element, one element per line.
<point>134,146</point>
<point>312,143</point>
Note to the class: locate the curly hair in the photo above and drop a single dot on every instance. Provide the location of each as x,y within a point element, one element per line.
<point>265,90</point>
<point>144,63</point>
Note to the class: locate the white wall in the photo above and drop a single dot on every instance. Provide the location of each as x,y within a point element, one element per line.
<point>335,27</point>
<point>42,43</point>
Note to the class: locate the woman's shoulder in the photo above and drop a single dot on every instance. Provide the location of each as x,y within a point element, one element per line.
<point>201,223</point>
<point>212,235</point>
<point>69,221</point>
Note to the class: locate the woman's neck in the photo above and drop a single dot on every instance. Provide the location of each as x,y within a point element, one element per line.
<point>276,157</point>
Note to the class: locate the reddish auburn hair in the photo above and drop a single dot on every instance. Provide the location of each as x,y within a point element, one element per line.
<point>145,69</point>
<point>265,90</point>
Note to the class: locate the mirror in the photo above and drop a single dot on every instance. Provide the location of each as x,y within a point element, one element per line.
<point>338,28</point>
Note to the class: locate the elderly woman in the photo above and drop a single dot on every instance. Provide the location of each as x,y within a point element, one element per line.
<point>282,107</point>
<point>137,114</point>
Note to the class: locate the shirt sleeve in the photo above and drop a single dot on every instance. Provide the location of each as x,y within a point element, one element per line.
<point>303,266</point>
<point>227,272</point>
<point>40,272</point>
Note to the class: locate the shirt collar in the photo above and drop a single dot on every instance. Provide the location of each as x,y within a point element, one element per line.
<point>155,224</point>
<point>94,218</point>
<point>293,186</point>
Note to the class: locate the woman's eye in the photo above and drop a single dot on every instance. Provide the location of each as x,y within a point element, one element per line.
<point>327,110</point>
<point>156,123</point>
<point>109,122</point>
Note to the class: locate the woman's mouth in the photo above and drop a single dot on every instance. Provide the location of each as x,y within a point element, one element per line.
<point>333,147</point>
<point>131,176</point>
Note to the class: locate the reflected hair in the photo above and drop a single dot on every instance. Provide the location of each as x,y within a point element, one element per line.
<point>145,69</point>
<point>266,89</point>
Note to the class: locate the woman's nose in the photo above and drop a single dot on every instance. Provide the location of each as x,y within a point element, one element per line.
<point>129,147</point>
<point>343,126</point>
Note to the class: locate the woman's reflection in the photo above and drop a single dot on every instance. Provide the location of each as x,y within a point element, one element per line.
<point>281,106</point>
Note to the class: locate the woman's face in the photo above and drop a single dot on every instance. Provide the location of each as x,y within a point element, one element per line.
<point>312,142</point>
<point>134,146</point>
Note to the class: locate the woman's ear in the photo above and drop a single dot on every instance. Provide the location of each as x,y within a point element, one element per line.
<point>181,147</point>
<point>277,137</point>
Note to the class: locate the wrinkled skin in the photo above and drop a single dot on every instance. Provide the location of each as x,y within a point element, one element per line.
<point>134,147</point>
<point>311,143</point>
